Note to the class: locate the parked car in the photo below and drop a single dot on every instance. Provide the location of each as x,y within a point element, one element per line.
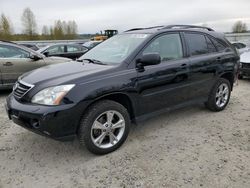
<point>127,78</point>
<point>15,60</point>
<point>91,44</point>
<point>31,46</point>
<point>241,47</point>
<point>72,51</point>
<point>244,65</point>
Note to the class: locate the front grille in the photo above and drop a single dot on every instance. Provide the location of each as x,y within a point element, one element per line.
<point>21,88</point>
<point>246,65</point>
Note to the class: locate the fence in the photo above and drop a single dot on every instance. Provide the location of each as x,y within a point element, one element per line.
<point>41,43</point>
<point>232,37</point>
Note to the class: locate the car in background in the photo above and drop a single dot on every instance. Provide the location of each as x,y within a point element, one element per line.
<point>16,60</point>
<point>241,47</point>
<point>72,51</point>
<point>244,65</point>
<point>31,46</point>
<point>91,44</point>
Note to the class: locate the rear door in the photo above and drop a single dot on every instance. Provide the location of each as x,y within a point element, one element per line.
<point>14,62</point>
<point>163,85</point>
<point>204,61</point>
<point>56,50</point>
<point>75,51</point>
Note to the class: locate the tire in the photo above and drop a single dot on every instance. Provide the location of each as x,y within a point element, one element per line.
<point>97,127</point>
<point>214,103</point>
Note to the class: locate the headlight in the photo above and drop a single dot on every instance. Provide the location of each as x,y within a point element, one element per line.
<point>240,66</point>
<point>51,95</point>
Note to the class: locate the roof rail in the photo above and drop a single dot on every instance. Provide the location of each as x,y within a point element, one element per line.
<point>135,29</point>
<point>186,27</point>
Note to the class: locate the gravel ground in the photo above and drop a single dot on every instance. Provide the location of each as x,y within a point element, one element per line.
<point>190,147</point>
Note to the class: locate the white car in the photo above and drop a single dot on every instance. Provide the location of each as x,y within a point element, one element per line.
<point>244,65</point>
<point>241,47</point>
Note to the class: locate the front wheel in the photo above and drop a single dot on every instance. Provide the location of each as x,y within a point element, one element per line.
<point>104,127</point>
<point>219,95</point>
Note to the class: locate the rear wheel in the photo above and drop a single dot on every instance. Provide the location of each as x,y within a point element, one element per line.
<point>219,95</point>
<point>104,127</point>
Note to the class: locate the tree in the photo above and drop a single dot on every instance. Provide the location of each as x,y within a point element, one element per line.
<point>72,29</point>
<point>58,30</point>
<point>64,27</point>
<point>239,27</point>
<point>65,30</point>
<point>5,28</point>
<point>45,30</point>
<point>29,23</point>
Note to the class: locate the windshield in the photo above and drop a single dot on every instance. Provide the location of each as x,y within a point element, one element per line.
<point>90,44</point>
<point>116,49</point>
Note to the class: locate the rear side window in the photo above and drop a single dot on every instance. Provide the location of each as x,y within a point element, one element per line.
<point>210,45</point>
<point>168,46</point>
<point>197,44</point>
<point>72,48</point>
<point>56,49</point>
<point>220,47</point>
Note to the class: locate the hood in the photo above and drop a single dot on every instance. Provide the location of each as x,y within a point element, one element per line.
<point>245,57</point>
<point>62,73</point>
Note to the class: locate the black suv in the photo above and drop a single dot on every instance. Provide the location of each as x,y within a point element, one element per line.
<point>128,78</point>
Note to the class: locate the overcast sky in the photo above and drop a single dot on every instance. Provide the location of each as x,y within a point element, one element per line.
<point>95,15</point>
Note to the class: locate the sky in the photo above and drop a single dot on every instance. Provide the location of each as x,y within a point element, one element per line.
<point>92,16</point>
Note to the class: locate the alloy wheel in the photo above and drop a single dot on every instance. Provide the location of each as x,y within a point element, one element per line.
<point>222,95</point>
<point>108,129</point>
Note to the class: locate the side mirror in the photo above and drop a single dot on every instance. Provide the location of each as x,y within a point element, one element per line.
<point>149,59</point>
<point>46,54</point>
<point>35,57</point>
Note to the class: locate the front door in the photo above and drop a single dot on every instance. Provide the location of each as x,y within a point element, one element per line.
<point>166,84</point>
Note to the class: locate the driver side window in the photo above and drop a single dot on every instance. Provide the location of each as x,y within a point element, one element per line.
<point>168,46</point>
<point>12,52</point>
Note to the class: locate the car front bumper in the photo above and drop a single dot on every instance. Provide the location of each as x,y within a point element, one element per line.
<point>57,122</point>
<point>244,69</point>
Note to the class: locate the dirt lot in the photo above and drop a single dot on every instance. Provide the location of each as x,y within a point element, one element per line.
<point>191,147</point>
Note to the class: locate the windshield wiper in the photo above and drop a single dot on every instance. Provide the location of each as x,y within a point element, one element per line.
<point>94,61</point>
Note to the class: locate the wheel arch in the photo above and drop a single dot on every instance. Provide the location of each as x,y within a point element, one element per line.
<point>118,97</point>
<point>228,76</point>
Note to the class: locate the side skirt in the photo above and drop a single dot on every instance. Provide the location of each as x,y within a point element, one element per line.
<point>165,110</point>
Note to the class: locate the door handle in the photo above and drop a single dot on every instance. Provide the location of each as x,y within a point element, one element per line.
<point>8,64</point>
<point>183,65</point>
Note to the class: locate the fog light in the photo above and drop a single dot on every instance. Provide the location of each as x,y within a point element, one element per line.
<point>35,123</point>
<point>45,132</point>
